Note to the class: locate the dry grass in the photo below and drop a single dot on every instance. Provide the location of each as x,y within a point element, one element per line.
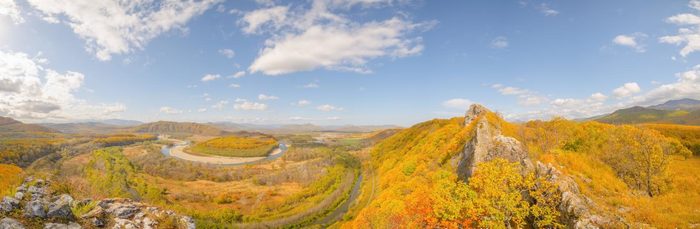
<point>677,208</point>
<point>10,177</point>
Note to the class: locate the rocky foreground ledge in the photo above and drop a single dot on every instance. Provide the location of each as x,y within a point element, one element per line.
<point>33,206</point>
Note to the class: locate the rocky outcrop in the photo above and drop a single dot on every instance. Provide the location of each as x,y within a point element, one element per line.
<point>34,205</point>
<point>488,143</point>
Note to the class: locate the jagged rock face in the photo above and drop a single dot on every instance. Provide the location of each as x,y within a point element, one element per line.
<point>112,213</point>
<point>575,208</point>
<point>488,143</point>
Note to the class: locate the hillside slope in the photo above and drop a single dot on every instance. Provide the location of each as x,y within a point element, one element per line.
<point>684,112</point>
<point>11,125</point>
<point>164,127</point>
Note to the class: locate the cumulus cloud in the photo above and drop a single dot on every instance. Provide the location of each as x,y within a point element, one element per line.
<point>598,97</point>
<point>120,26</point>
<point>328,107</point>
<point>631,40</point>
<point>457,103</point>
<point>200,110</point>
<point>169,110</point>
<point>301,103</point>
<point>500,42</point>
<point>210,77</point>
<point>29,90</point>
<point>689,34</point>
<point>319,37</point>
<point>245,105</point>
<point>626,90</point>
<point>267,97</point>
<point>525,97</point>
<point>233,85</point>
<point>228,53</point>
<point>10,9</point>
<point>687,85</point>
<point>238,74</point>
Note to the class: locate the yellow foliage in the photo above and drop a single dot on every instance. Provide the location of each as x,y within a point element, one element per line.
<point>236,146</point>
<point>10,177</point>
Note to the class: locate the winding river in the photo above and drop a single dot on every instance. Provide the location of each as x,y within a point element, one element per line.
<point>177,150</point>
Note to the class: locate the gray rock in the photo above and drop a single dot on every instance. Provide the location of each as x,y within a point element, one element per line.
<point>148,223</point>
<point>125,211</point>
<point>19,195</point>
<point>35,208</point>
<point>10,223</point>
<point>487,144</point>
<point>62,226</point>
<point>124,224</point>
<point>61,208</point>
<point>188,222</point>
<point>98,222</point>
<point>22,188</point>
<point>8,204</point>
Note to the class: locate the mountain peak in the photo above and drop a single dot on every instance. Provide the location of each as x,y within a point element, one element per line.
<point>679,104</point>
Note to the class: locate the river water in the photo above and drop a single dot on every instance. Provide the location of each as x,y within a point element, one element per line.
<point>165,150</point>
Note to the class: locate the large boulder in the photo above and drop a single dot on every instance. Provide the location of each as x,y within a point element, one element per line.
<point>61,207</point>
<point>10,223</point>
<point>487,143</point>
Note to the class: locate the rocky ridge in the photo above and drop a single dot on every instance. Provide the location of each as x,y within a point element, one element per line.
<point>34,206</point>
<point>487,143</point>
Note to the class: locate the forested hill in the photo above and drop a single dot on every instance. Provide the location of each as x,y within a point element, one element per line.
<point>163,127</point>
<point>8,125</point>
<point>683,111</point>
<point>471,172</point>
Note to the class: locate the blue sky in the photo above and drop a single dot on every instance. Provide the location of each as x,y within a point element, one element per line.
<point>341,61</point>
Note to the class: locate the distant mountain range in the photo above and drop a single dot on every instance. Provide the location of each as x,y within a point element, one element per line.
<point>9,125</point>
<point>296,128</point>
<point>682,111</point>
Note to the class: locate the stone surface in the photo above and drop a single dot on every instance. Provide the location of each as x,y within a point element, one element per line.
<point>10,223</point>
<point>62,226</point>
<point>8,204</point>
<point>61,207</point>
<point>19,195</point>
<point>35,208</point>
<point>487,143</point>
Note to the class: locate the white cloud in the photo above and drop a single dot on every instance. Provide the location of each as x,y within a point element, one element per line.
<point>301,103</point>
<point>687,85</point>
<point>29,90</point>
<point>546,10</point>
<point>525,97</point>
<point>328,107</point>
<point>314,38</point>
<point>457,103</point>
<point>200,110</point>
<point>631,41</point>
<point>333,118</point>
<point>311,85</point>
<point>500,42</point>
<point>10,9</point>
<point>228,53</point>
<point>267,97</point>
<point>626,90</point>
<point>299,118</point>
<point>169,110</point>
<point>689,34</point>
<point>598,97</point>
<point>250,106</point>
<point>233,85</point>
<point>210,77</point>
<point>220,105</point>
<point>120,26</point>
<point>238,74</point>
